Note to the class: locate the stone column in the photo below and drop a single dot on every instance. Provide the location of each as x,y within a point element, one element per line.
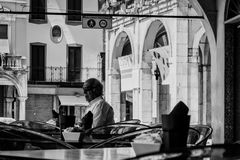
<point>115,92</point>
<point>155,100</point>
<point>193,85</point>
<point>21,109</point>
<point>181,62</point>
<point>145,107</point>
<point>206,94</point>
<point>8,111</point>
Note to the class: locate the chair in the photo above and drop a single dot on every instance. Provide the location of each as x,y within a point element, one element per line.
<point>205,134</point>
<point>116,129</point>
<point>193,136</point>
<point>137,121</point>
<point>198,134</point>
<point>14,137</point>
<point>125,139</point>
<point>39,126</point>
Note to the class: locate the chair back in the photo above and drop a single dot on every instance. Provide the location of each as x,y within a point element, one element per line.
<point>193,136</point>
<point>205,134</point>
<point>137,121</point>
<point>125,139</point>
<point>197,136</point>
<point>107,131</point>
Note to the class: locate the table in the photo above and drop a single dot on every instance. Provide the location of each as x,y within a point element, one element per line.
<point>212,152</point>
<point>88,141</point>
<point>85,143</point>
<point>73,154</point>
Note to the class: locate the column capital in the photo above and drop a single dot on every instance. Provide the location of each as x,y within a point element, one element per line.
<point>9,100</point>
<point>22,99</point>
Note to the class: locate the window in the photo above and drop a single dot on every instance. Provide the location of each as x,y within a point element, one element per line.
<point>129,3</point>
<point>161,38</point>
<point>74,6</point>
<point>103,66</point>
<point>2,90</point>
<point>127,49</point>
<point>56,33</point>
<point>74,63</point>
<point>37,62</point>
<point>38,6</point>
<point>3,31</point>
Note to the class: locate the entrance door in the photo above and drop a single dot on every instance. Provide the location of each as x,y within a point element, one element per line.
<point>74,63</point>
<point>163,100</point>
<point>126,106</point>
<point>1,101</point>
<point>38,62</point>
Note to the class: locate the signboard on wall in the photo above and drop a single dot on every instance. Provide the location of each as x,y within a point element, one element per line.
<point>161,56</point>
<point>97,22</point>
<point>125,65</point>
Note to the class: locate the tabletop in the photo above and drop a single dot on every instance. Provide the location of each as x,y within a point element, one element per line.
<point>211,152</point>
<point>73,154</point>
<point>88,141</point>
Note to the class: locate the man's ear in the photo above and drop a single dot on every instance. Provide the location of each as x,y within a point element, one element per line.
<point>94,90</point>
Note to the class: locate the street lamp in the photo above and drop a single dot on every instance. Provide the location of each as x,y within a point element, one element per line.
<point>157,73</point>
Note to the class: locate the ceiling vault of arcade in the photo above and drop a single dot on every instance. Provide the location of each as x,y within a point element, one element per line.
<point>210,9</point>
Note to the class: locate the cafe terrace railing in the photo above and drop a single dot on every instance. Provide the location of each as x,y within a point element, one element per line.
<point>62,74</point>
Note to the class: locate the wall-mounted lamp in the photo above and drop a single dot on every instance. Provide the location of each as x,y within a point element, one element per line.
<point>157,73</point>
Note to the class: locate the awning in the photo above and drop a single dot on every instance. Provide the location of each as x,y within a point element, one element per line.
<point>129,96</point>
<point>4,46</point>
<point>72,100</point>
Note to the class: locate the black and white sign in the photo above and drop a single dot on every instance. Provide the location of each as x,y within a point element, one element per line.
<point>103,23</point>
<point>97,22</point>
<point>91,23</point>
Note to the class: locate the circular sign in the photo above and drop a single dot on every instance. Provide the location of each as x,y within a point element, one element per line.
<point>103,23</point>
<point>91,23</point>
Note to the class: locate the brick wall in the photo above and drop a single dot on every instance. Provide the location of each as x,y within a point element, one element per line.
<point>39,107</point>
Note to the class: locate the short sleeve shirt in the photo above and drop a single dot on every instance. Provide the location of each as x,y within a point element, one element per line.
<point>102,112</point>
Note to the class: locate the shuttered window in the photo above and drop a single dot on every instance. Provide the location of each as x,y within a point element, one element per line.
<point>38,6</point>
<point>3,31</point>
<point>74,6</point>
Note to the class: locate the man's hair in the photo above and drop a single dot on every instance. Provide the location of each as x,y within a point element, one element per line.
<point>94,85</point>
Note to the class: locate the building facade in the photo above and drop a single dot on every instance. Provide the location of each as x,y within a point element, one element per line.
<point>13,67</point>
<point>202,63</point>
<point>59,54</point>
<point>62,58</point>
<point>158,62</point>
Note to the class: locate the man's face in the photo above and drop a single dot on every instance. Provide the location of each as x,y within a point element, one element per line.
<point>88,95</point>
<point>89,88</point>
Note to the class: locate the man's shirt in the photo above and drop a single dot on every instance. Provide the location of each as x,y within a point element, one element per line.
<point>102,112</point>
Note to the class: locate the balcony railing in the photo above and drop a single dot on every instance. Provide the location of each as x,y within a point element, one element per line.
<point>12,62</point>
<point>62,74</point>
